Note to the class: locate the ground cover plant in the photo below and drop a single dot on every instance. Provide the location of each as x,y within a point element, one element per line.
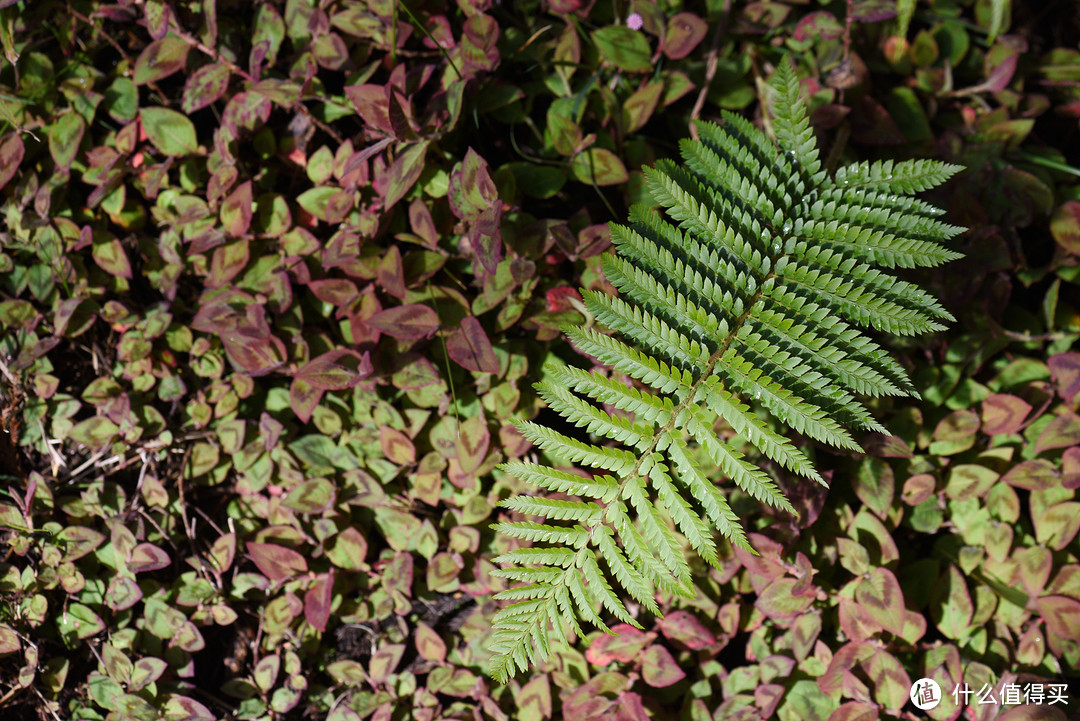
<point>276,279</point>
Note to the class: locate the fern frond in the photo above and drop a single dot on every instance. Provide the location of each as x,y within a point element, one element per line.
<point>905,177</point>
<point>744,304</point>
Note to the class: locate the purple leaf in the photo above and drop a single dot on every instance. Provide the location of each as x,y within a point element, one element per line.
<point>276,562</point>
<point>336,370</point>
<point>684,32</point>
<point>406,322</point>
<point>372,105</point>
<point>11,154</point>
<point>317,601</point>
<point>470,348</point>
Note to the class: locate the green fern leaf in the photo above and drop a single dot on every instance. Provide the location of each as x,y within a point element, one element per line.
<point>743,303</point>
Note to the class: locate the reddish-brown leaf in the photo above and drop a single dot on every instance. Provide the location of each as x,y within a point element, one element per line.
<point>1064,369</point>
<point>406,322</point>
<point>336,291</point>
<point>684,32</point>
<point>1034,475</point>
<point>252,354</point>
<point>1062,432</point>
<point>404,172</point>
<point>317,601</point>
<point>470,347</point>
<point>683,627</point>
<point>205,86</point>
<point>157,18</point>
<point>276,562</point>
<point>880,594</point>
<point>472,443</point>
<point>1003,413</point>
<point>372,105</point>
<point>336,369</point>
<point>11,155</point>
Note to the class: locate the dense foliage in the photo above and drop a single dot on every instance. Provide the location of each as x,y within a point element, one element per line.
<point>276,277</point>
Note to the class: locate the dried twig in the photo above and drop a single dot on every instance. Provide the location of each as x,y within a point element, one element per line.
<point>710,67</point>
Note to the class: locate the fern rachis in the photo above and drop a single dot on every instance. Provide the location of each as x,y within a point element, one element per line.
<point>748,296</point>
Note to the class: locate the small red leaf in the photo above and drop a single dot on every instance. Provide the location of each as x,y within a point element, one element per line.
<point>558,298</point>
<point>470,348</point>
<point>276,562</point>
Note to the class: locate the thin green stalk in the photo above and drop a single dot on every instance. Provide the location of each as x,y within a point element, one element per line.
<point>420,26</point>
<point>1048,163</point>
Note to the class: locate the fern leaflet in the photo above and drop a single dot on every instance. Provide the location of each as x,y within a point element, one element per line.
<point>745,297</point>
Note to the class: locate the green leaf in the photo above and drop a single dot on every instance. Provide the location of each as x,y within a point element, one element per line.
<point>599,166</point>
<point>625,48</point>
<point>404,172</point>
<point>313,496</point>
<point>328,204</point>
<point>94,432</point>
<point>79,621</point>
<point>110,256</point>
<point>160,59</point>
<point>170,132</point>
<point>65,134</point>
<point>205,86</point>
<point>659,669</point>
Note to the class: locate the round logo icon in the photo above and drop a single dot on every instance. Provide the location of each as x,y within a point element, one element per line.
<point>925,694</point>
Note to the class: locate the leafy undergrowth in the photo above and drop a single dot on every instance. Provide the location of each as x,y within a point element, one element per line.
<point>276,277</point>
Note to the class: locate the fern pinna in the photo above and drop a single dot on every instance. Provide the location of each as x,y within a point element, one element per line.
<point>747,297</point>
